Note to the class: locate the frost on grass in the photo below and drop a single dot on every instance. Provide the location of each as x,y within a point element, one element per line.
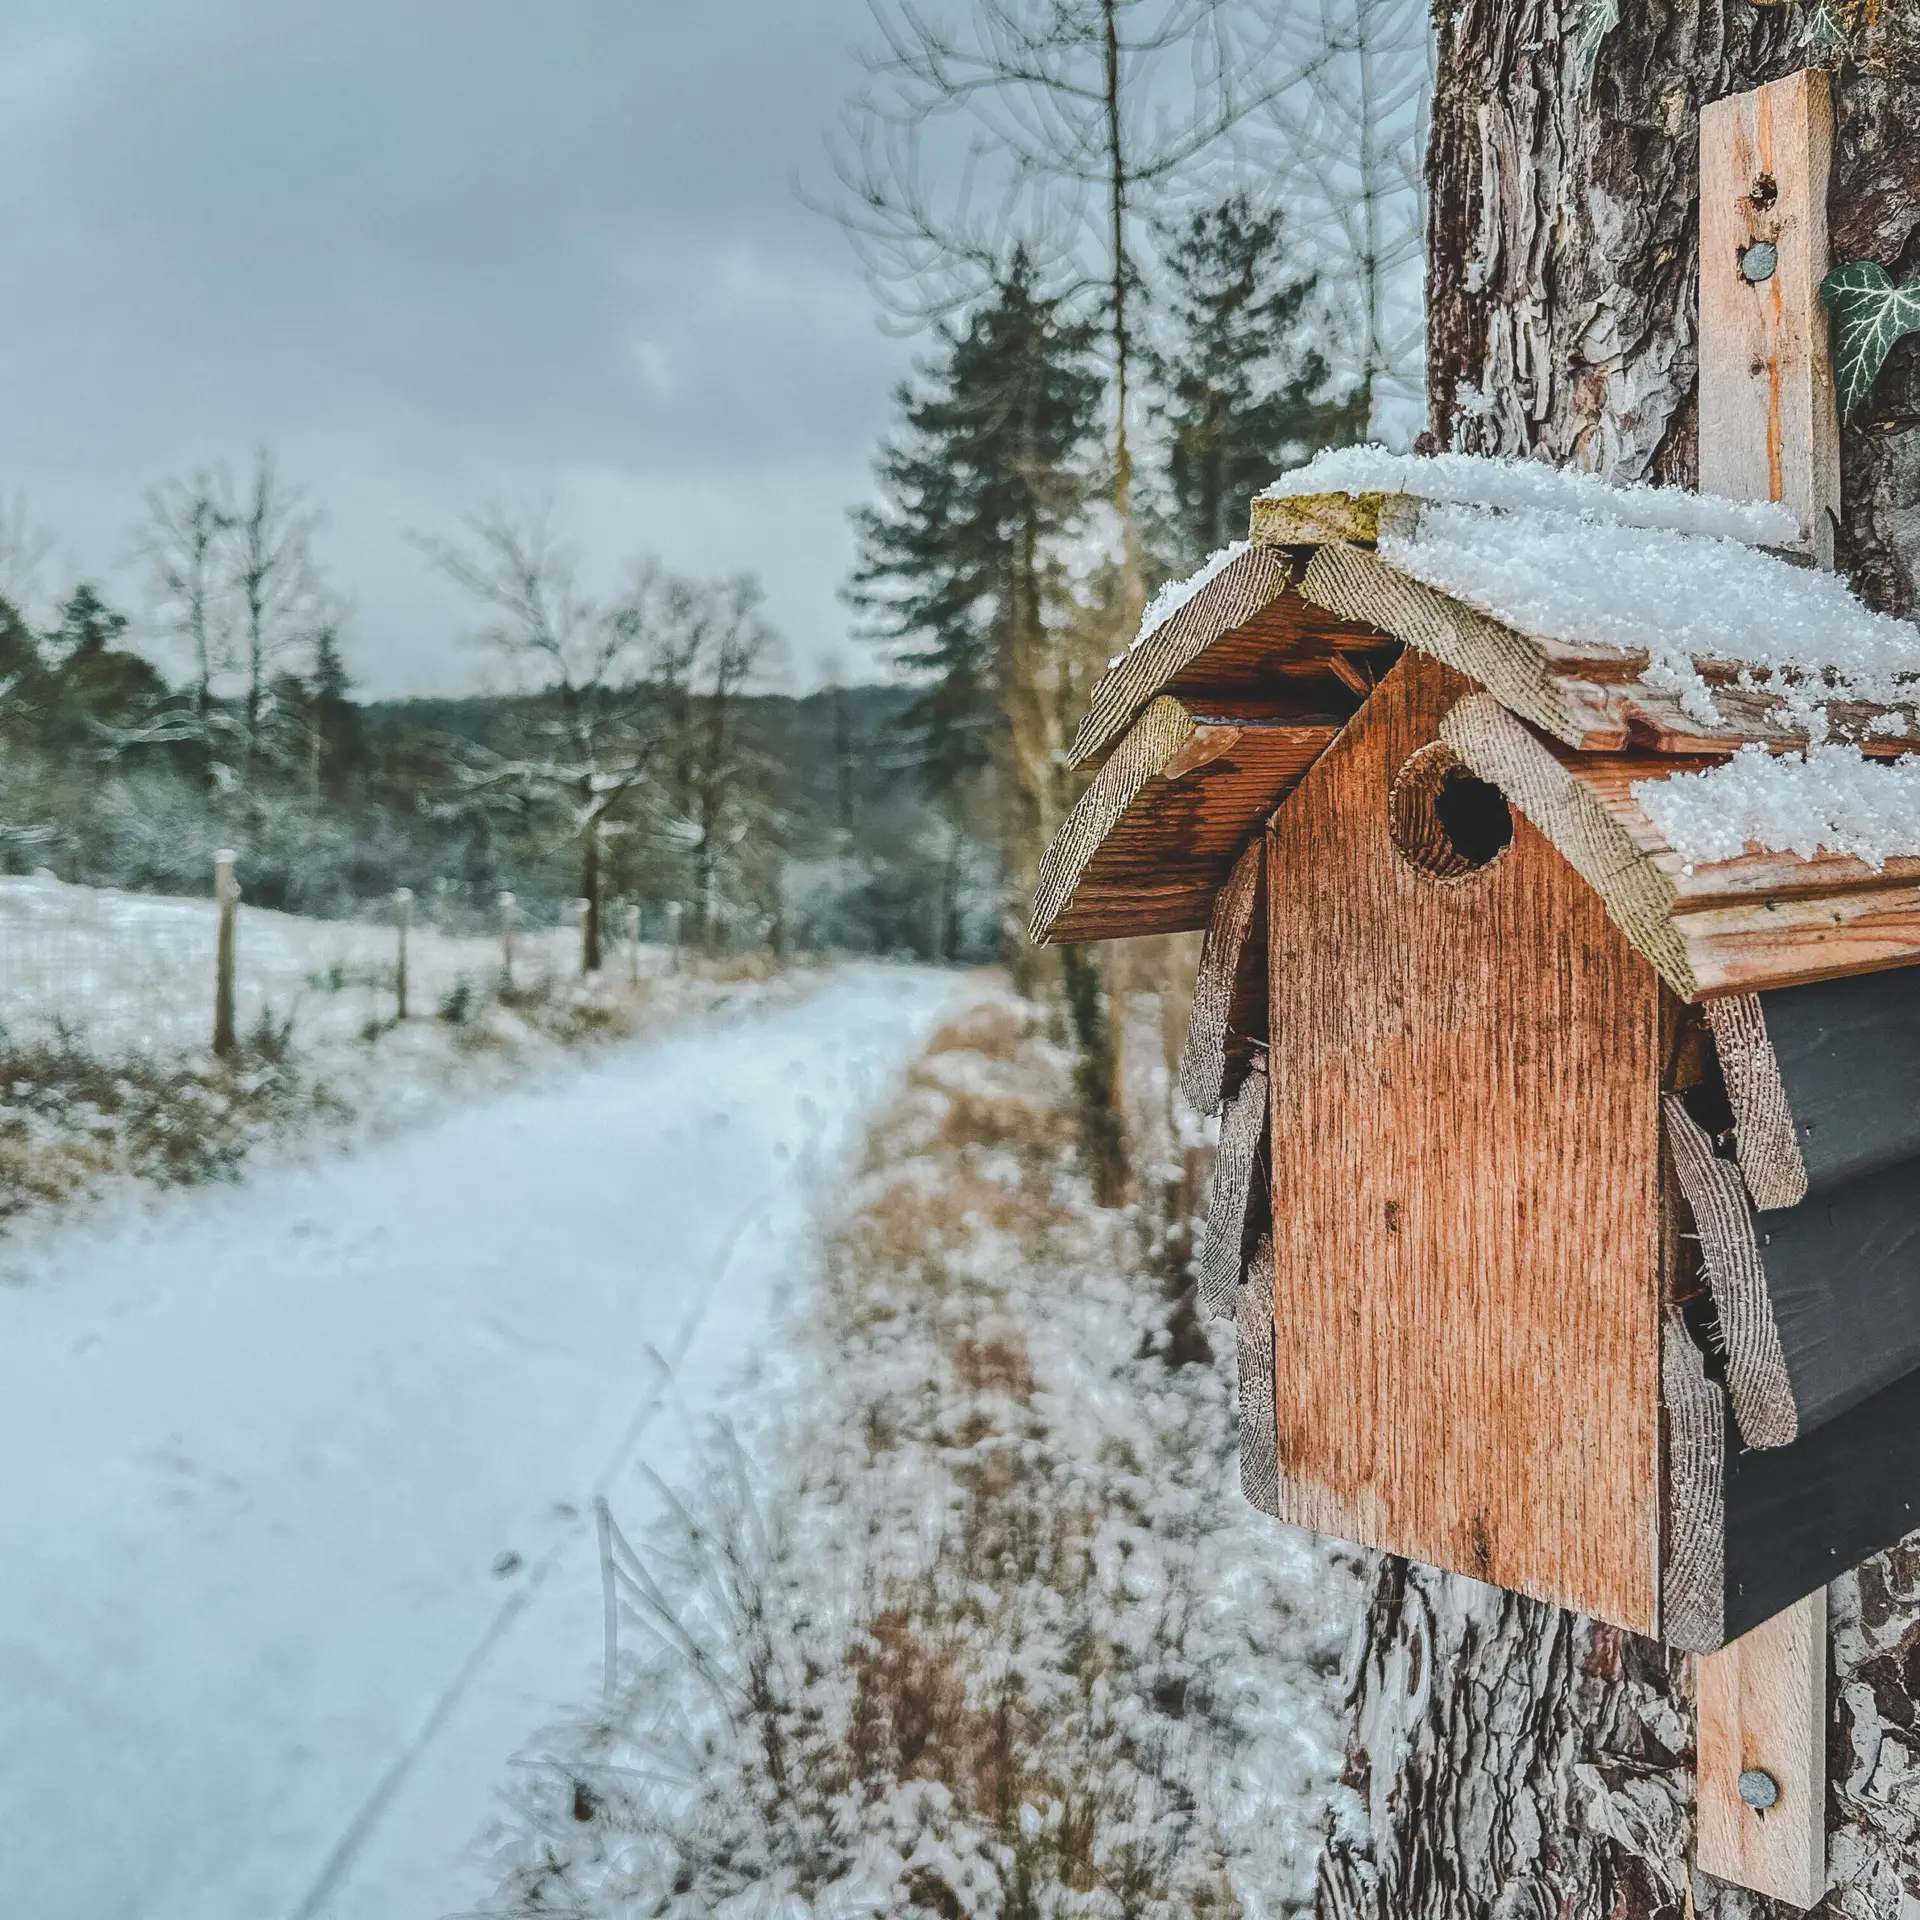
<point>1176,593</point>
<point>1830,799</point>
<point>1677,597</point>
<point>1477,480</point>
<point>979,1625</point>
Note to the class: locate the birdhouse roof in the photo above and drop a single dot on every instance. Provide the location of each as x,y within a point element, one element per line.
<point>1712,733</point>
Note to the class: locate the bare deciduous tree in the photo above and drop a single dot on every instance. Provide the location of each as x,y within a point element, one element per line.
<point>717,647</point>
<point>1350,133</point>
<point>592,729</point>
<point>182,541</point>
<point>1050,128</point>
<point>274,581</point>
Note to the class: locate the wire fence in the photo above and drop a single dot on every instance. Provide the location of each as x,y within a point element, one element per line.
<point>119,973</point>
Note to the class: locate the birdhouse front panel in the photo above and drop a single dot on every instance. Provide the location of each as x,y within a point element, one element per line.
<point>1465,1064</point>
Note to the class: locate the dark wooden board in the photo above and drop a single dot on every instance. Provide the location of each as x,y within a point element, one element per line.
<point>1849,1054</point>
<point>1800,1516</point>
<point>1843,1274</point>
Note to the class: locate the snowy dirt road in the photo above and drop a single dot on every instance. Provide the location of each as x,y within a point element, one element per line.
<point>296,1511</point>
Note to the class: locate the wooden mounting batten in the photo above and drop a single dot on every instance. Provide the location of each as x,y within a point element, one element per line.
<point>1769,429</point>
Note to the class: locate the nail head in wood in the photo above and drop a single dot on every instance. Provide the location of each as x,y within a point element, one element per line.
<point>1759,1789</point>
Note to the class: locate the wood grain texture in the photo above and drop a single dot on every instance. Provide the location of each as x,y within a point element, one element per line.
<point>1313,519</point>
<point>1586,696</point>
<point>1769,428</point>
<point>1150,843</point>
<point>1786,943</point>
<point>1466,1189</point>
<point>1762,1706</point>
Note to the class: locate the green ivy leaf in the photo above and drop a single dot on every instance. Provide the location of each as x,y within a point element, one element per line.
<point>1870,314</point>
<point>1598,18</point>
<point>1829,25</point>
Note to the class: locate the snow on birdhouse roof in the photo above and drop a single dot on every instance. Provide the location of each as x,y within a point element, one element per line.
<point>1828,800</point>
<point>1678,598</point>
<point>1464,479</point>
<point>1175,594</point>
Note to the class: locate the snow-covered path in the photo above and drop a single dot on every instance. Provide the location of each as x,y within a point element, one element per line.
<point>296,1478</point>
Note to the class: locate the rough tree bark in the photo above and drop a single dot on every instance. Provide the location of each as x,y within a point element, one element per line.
<point>1508,1761</point>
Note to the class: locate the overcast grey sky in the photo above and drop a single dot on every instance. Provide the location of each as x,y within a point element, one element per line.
<point>436,252</point>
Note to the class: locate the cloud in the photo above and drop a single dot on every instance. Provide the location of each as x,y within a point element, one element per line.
<point>436,254</point>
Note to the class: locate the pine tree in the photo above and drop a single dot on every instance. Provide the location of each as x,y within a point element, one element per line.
<point>983,478</point>
<point>91,682</point>
<point>337,743</point>
<point>1241,393</point>
<point>964,571</point>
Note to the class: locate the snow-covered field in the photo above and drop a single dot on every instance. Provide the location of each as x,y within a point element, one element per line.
<point>135,971</point>
<point>297,1512</point>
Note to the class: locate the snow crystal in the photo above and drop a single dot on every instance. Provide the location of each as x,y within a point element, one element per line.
<point>1472,480</point>
<point>1680,598</point>
<point>1176,593</point>
<point>1830,799</point>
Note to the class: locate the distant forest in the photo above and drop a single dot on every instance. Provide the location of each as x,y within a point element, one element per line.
<point>646,770</point>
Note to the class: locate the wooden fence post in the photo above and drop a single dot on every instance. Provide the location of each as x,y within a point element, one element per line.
<point>633,942</point>
<point>1769,430</point>
<point>583,909</point>
<point>226,893</point>
<point>507,906</point>
<point>673,931</point>
<point>402,920</point>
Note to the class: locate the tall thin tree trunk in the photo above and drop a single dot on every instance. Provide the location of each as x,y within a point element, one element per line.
<point>1133,596</point>
<point>590,894</point>
<point>1508,1761</point>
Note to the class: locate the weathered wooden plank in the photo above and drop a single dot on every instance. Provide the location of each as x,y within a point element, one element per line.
<point>1848,1055</point>
<point>1151,841</point>
<point>1755,875</point>
<point>1761,1798</point>
<point>1769,428</point>
<point>1584,697</point>
<point>1229,1012</point>
<point>1315,519</point>
<point>1238,1205</point>
<point>1764,1143</point>
<point>1765,944</point>
<point>1467,1260</point>
<point>1732,937</point>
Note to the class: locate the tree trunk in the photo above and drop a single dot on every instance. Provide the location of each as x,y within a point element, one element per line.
<point>1508,1761</point>
<point>590,898</point>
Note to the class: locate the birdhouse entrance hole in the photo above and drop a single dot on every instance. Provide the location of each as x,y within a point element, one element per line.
<point>1446,823</point>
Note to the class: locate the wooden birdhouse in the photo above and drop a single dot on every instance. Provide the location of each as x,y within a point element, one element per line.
<point>1560,877</point>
